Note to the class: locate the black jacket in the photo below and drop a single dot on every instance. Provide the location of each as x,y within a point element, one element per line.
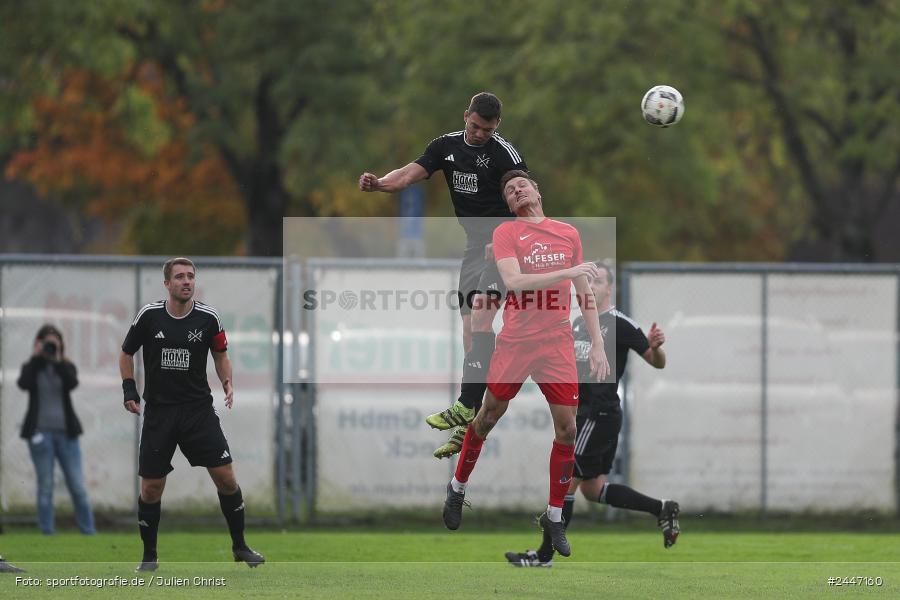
<point>28,382</point>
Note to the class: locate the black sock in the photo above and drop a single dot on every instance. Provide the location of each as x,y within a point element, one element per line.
<point>568,509</point>
<point>622,496</point>
<point>233,509</point>
<point>148,524</point>
<point>545,552</point>
<point>475,369</point>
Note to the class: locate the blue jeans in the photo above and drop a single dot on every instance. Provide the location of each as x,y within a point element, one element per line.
<point>45,447</point>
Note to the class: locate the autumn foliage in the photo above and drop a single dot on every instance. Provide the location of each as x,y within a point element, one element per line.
<point>119,148</point>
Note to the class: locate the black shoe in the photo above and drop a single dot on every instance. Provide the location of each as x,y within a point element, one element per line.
<point>529,558</point>
<point>453,506</point>
<point>668,521</point>
<point>6,567</point>
<point>251,557</point>
<point>147,565</point>
<point>557,531</point>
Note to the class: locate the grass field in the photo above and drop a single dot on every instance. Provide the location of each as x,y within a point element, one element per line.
<point>606,563</point>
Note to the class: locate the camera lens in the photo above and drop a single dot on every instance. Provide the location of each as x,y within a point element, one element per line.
<point>50,348</point>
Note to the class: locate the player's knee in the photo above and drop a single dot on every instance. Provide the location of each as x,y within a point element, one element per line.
<point>566,432</point>
<point>226,483</point>
<point>467,334</point>
<point>151,490</point>
<point>224,480</point>
<point>590,489</point>
<point>485,420</point>
<point>227,488</point>
<point>489,421</point>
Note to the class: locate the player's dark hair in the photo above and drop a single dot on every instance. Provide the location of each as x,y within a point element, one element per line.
<point>512,175</point>
<point>486,105</point>
<point>167,268</point>
<point>610,276</point>
<point>49,329</point>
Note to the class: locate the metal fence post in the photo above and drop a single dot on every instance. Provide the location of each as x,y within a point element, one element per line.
<point>308,388</point>
<point>280,325</point>
<point>764,395</point>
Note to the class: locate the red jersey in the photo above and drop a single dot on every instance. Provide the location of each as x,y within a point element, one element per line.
<point>541,247</point>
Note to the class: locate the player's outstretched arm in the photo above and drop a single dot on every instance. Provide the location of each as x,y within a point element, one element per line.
<point>597,357</point>
<point>396,180</point>
<point>515,280</point>
<point>655,355</point>
<point>126,370</point>
<point>223,370</point>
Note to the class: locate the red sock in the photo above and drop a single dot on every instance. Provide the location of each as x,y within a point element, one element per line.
<point>468,456</point>
<point>562,461</point>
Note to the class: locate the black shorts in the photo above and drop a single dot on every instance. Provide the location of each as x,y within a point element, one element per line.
<point>596,443</point>
<point>478,275</point>
<point>194,429</point>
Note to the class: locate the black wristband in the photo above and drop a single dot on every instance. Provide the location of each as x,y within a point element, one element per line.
<point>129,388</point>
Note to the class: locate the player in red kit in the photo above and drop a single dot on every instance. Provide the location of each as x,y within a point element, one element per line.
<point>539,259</point>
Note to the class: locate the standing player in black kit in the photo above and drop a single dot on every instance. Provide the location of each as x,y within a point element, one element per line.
<point>473,161</point>
<point>177,335</point>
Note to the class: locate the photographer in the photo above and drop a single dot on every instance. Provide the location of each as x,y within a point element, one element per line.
<point>52,429</point>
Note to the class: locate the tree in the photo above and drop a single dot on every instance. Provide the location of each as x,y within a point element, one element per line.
<point>278,105</point>
<point>113,147</point>
<point>279,120</point>
<point>572,77</point>
<point>90,126</point>
<point>829,74</point>
<point>275,112</point>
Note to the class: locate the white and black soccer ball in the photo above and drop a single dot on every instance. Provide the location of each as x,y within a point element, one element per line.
<point>662,106</point>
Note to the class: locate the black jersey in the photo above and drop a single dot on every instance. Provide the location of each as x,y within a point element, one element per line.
<point>604,395</point>
<point>473,176</point>
<point>175,351</point>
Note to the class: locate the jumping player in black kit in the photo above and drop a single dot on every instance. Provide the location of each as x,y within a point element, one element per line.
<point>177,335</point>
<point>473,161</point>
<point>599,420</point>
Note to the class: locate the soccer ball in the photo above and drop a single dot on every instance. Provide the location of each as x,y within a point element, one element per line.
<point>662,106</point>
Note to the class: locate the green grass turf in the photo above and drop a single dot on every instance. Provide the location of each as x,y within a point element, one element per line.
<point>465,564</point>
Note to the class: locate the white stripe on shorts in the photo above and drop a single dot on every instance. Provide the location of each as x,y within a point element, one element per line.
<point>583,436</point>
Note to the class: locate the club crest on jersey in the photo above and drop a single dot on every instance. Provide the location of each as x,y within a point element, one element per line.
<point>195,335</point>
<point>483,161</point>
<point>539,248</point>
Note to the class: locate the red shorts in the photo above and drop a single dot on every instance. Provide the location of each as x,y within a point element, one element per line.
<point>550,361</point>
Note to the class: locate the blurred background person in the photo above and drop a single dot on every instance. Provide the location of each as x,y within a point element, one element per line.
<point>52,428</point>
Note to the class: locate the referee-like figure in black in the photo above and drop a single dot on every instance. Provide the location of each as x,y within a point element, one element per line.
<point>177,335</point>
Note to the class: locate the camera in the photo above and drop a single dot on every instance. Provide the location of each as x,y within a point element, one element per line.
<point>50,349</point>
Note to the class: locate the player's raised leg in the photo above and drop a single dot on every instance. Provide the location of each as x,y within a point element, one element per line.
<point>477,326</point>
<point>478,358</point>
<point>487,417</point>
<point>624,497</point>
<point>474,374</point>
